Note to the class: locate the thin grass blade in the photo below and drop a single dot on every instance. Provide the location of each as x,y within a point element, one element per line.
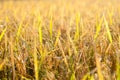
<point>2,34</point>
<point>108,30</point>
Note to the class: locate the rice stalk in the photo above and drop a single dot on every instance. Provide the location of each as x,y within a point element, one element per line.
<point>40,30</point>
<point>63,54</point>
<point>72,44</point>
<point>12,58</point>
<point>2,34</point>
<point>88,77</point>
<point>18,32</point>
<point>73,76</point>
<point>76,36</point>
<point>57,38</point>
<point>110,14</point>
<point>51,26</point>
<point>35,61</point>
<point>7,19</point>
<point>98,28</point>
<point>2,64</point>
<point>108,30</point>
<point>118,69</point>
<point>118,63</point>
<point>99,68</point>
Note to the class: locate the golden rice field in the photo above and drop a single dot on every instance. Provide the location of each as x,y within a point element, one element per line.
<point>60,40</point>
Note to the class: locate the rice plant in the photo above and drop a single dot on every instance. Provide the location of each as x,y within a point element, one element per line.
<point>59,40</point>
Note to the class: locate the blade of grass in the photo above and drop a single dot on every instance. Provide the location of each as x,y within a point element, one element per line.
<point>2,34</point>
<point>7,19</point>
<point>110,13</point>
<point>119,41</point>
<point>42,49</point>
<point>108,30</point>
<point>43,53</point>
<point>91,78</point>
<point>20,28</point>
<point>98,28</point>
<point>18,32</point>
<point>51,26</point>
<point>85,77</point>
<point>82,26</point>
<point>57,37</point>
<point>118,70</point>
<point>23,77</point>
<point>88,77</point>
<point>76,36</point>
<point>118,63</point>
<point>40,29</point>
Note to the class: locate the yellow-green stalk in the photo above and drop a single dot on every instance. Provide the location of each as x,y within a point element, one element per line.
<point>119,41</point>
<point>73,76</point>
<point>57,38</point>
<point>42,49</point>
<point>81,26</point>
<point>12,58</point>
<point>2,34</point>
<point>35,61</point>
<point>7,19</point>
<point>118,63</point>
<point>88,77</point>
<point>110,14</point>
<point>108,30</point>
<point>99,70</point>
<point>76,37</point>
<point>18,32</point>
<point>98,28</point>
<point>40,29</point>
<point>51,26</point>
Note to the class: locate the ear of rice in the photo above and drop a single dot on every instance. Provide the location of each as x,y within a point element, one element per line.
<point>40,29</point>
